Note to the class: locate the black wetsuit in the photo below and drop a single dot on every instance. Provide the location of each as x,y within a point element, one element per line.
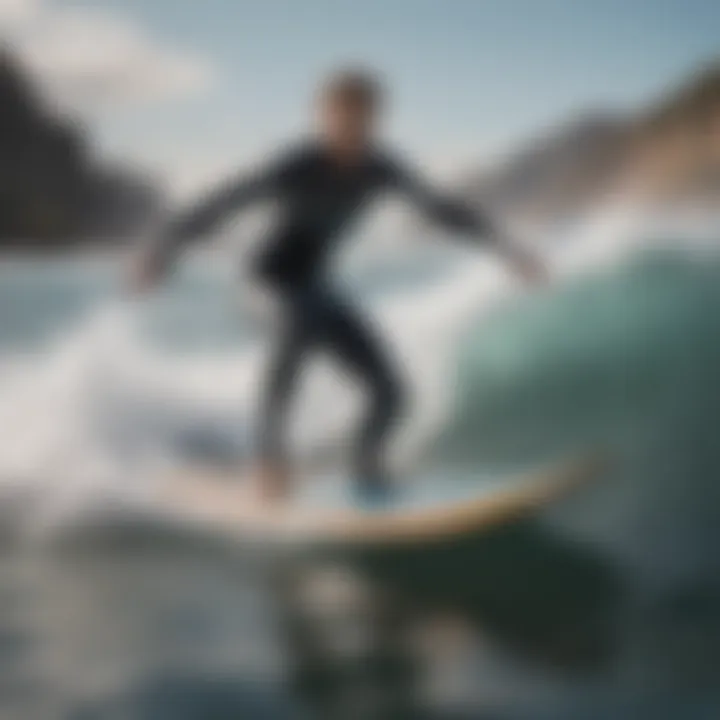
<point>318,197</point>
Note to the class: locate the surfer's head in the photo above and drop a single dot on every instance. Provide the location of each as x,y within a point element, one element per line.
<point>349,107</point>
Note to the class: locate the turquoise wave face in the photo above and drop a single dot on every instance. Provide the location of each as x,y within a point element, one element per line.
<point>598,361</point>
<point>629,361</point>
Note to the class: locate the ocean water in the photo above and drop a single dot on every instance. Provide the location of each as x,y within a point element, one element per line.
<point>609,606</point>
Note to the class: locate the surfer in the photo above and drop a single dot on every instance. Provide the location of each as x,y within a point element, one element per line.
<point>321,185</point>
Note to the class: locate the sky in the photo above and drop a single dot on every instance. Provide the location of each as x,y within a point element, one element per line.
<point>192,88</point>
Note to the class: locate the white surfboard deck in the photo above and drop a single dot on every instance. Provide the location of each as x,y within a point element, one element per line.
<point>324,511</point>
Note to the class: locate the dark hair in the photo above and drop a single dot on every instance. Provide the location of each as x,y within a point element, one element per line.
<point>354,85</point>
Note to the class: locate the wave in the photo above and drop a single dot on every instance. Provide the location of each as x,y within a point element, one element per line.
<point>103,411</point>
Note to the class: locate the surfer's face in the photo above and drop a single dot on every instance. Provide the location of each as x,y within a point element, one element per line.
<point>348,122</point>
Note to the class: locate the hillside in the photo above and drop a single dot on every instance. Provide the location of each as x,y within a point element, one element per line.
<point>667,155</point>
<point>53,192</point>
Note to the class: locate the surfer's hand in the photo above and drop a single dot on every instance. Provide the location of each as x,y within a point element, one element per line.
<point>144,274</point>
<point>530,267</point>
<point>525,263</point>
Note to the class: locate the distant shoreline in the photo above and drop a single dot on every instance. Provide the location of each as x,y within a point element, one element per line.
<point>87,252</point>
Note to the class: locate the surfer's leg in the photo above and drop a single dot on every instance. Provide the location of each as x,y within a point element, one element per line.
<point>351,338</point>
<point>286,362</point>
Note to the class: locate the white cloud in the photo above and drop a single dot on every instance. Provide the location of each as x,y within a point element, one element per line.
<point>13,12</point>
<point>93,59</point>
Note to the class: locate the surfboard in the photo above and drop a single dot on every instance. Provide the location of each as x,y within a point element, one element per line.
<point>323,511</point>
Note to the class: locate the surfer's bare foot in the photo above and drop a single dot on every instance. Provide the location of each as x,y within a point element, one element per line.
<point>374,489</point>
<point>271,482</point>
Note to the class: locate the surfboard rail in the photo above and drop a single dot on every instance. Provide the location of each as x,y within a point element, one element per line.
<point>225,506</point>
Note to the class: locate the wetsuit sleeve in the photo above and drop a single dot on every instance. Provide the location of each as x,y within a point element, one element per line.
<point>451,213</point>
<point>215,207</point>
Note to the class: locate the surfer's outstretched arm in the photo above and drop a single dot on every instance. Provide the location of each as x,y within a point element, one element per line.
<point>206,215</point>
<point>459,217</point>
